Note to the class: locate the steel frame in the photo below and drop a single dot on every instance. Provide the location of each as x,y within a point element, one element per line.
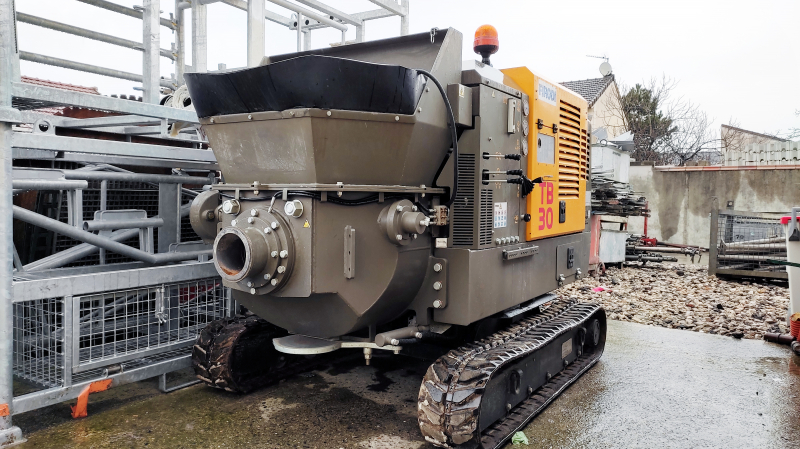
<point>28,134</point>
<point>727,218</point>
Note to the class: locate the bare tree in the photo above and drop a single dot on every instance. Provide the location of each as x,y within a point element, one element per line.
<point>667,129</point>
<point>692,139</point>
<point>794,133</point>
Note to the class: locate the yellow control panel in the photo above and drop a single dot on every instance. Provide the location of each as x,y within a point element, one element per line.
<point>558,153</point>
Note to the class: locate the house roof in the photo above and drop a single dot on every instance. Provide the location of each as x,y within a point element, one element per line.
<point>590,89</point>
<point>753,133</point>
<point>57,85</point>
<point>57,110</point>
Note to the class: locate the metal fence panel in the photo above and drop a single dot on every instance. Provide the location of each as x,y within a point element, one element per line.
<point>39,341</point>
<point>745,242</point>
<point>131,328</point>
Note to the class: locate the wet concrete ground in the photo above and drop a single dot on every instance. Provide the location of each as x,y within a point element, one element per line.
<point>654,387</point>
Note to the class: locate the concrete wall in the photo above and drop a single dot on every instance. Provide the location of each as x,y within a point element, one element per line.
<point>681,198</point>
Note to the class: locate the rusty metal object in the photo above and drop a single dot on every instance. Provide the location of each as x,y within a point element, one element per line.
<point>783,339</point>
<point>456,386</point>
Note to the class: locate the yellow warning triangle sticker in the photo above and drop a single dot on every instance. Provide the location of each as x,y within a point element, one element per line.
<point>306,224</point>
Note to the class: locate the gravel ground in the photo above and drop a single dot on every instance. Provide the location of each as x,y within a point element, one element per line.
<point>682,296</point>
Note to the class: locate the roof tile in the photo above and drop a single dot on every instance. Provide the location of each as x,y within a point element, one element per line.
<point>590,89</point>
<point>71,87</point>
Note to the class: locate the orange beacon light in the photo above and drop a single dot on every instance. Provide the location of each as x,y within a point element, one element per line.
<point>486,42</point>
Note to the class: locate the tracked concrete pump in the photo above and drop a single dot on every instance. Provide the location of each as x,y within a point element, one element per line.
<point>388,196</point>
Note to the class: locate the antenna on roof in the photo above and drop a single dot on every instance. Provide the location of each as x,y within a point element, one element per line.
<point>605,67</point>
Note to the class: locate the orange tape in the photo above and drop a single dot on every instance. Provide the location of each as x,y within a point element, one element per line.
<point>4,411</point>
<point>80,409</point>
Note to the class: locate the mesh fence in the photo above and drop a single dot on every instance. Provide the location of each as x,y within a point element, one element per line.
<point>748,243</point>
<point>39,341</point>
<point>134,327</point>
<point>132,321</point>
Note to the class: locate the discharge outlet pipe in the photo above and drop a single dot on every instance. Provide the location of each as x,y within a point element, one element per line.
<point>239,253</point>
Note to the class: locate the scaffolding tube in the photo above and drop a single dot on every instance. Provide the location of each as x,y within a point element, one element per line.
<point>111,225</point>
<point>78,252</point>
<point>103,242</point>
<point>21,185</point>
<point>124,10</point>
<point>88,68</point>
<point>82,32</point>
<point>135,177</point>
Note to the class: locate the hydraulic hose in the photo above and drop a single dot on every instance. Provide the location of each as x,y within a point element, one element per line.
<point>453,137</point>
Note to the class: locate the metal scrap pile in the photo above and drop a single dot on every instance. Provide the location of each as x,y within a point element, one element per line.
<point>639,248</point>
<point>612,197</point>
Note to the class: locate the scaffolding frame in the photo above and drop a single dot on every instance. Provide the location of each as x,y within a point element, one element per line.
<point>43,304</point>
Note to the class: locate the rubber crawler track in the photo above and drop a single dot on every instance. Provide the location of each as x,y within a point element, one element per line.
<point>450,395</point>
<point>237,355</point>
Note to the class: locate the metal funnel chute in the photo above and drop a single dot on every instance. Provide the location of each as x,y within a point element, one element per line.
<point>310,81</point>
<point>326,115</point>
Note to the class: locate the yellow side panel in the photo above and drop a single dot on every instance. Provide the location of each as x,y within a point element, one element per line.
<point>558,155</point>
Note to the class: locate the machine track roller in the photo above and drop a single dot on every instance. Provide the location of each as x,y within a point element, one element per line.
<point>478,395</point>
<point>237,355</point>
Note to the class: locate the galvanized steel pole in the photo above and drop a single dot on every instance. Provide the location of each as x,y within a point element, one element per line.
<point>255,32</point>
<point>404,18</point>
<point>89,34</point>
<point>151,39</point>
<point>92,239</point>
<point>199,38</point>
<point>9,63</point>
<point>180,44</point>
<point>361,31</point>
<point>299,32</point>
<point>124,10</point>
<point>89,68</point>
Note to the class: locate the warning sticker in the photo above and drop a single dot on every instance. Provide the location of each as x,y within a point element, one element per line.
<point>500,215</point>
<point>306,224</point>
<point>566,348</point>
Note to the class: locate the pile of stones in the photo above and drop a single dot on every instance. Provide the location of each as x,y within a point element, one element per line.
<point>685,297</point>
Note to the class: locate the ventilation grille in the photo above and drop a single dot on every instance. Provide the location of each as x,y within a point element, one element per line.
<point>573,157</point>
<point>487,216</point>
<point>464,205</point>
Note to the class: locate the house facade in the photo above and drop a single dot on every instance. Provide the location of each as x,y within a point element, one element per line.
<point>605,115</point>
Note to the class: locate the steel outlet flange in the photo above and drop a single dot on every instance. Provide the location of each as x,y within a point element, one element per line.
<point>255,255</point>
<point>239,253</point>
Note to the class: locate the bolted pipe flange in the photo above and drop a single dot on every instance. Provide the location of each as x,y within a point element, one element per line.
<point>239,253</point>
<point>268,240</point>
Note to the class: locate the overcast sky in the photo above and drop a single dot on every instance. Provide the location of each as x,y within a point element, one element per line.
<point>736,59</point>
